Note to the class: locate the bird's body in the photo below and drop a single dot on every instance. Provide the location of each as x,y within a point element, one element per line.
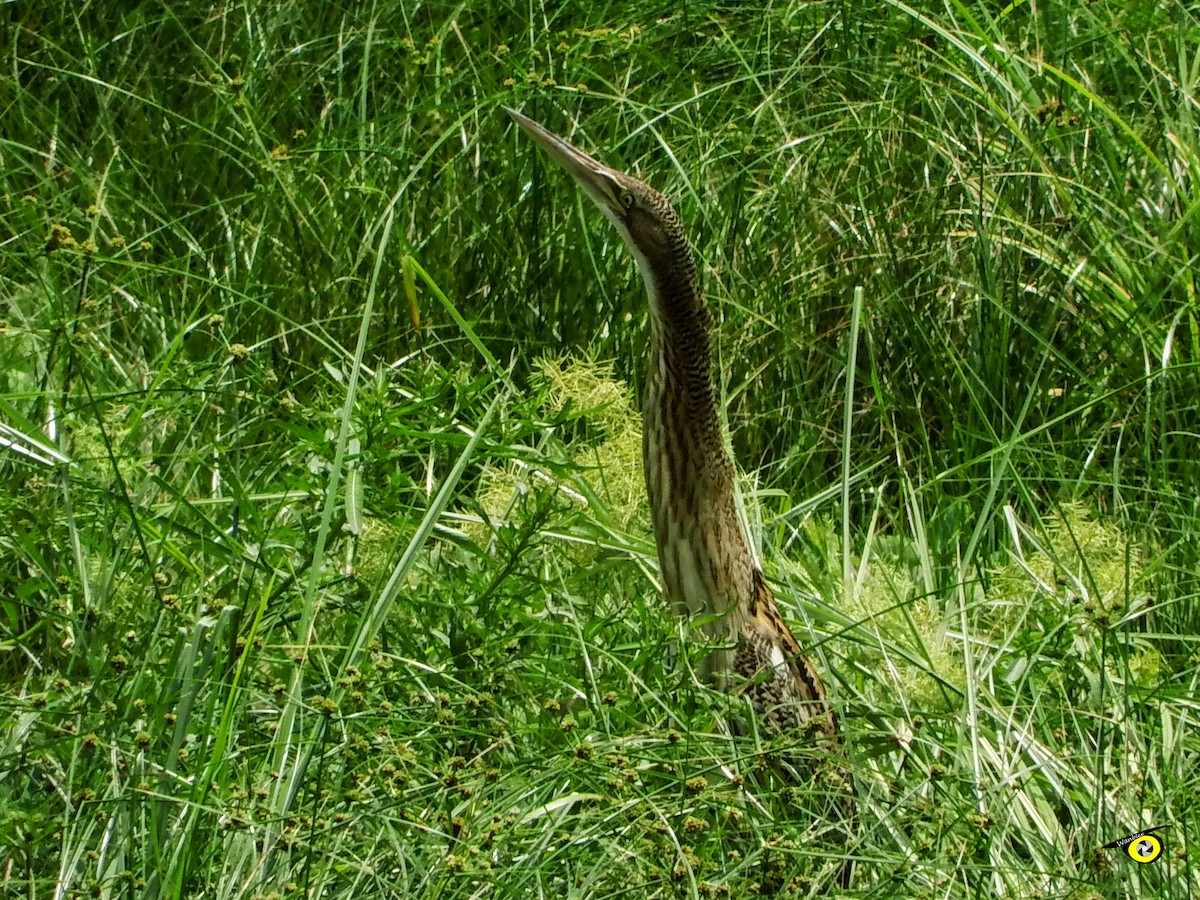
<point>708,571</point>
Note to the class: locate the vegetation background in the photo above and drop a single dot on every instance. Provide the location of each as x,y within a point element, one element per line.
<point>325,570</point>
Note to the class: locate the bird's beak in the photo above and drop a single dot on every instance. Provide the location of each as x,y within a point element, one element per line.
<point>597,179</point>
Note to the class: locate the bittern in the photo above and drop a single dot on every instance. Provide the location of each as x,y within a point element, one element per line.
<point>708,571</point>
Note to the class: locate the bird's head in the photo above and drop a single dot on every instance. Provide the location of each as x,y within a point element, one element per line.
<point>645,219</point>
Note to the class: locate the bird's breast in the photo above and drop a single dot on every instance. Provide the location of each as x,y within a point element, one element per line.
<point>704,560</point>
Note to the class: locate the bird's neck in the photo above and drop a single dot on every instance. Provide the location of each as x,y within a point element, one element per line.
<point>679,382</point>
<point>704,553</point>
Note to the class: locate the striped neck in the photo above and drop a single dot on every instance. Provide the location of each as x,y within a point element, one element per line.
<point>679,383</point>
<point>704,555</point>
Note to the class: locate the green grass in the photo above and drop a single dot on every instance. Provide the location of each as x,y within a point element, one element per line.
<point>347,588</point>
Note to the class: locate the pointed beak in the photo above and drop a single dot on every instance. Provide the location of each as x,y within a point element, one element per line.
<point>593,176</point>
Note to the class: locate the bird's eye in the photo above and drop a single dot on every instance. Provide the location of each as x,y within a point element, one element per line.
<point>627,199</point>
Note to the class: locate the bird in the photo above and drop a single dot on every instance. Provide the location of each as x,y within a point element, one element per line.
<point>708,571</point>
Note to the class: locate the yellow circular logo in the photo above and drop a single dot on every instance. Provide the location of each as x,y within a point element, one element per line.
<point>1145,849</point>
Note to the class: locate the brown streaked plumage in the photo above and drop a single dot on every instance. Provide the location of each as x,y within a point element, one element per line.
<point>707,569</point>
